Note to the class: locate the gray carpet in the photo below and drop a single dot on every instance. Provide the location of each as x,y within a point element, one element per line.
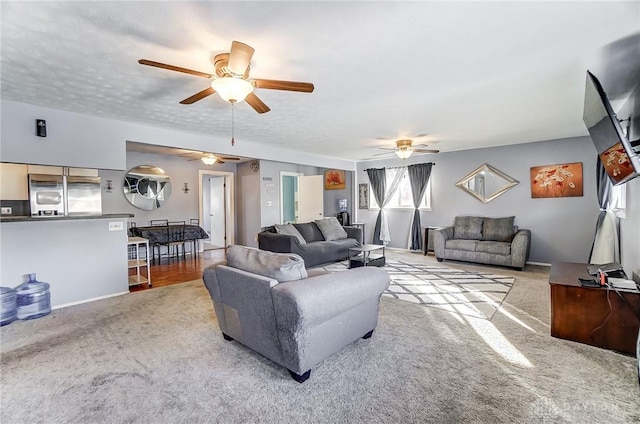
<point>472,293</point>
<point>157,356</point>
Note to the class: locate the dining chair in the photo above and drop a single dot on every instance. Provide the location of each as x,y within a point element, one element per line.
<point>158,222</point>
<point>193,239</point>
<point>175,238</point>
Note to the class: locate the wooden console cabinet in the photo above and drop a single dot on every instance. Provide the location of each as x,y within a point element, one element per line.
<point>594,316</point>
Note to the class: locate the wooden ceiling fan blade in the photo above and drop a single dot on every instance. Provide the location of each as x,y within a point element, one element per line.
<point>304,87</point>
<point>228,158</point>
<point>255,102</point>
<point>198,96</point>
<point>174,68</point>
<point>239,57</point>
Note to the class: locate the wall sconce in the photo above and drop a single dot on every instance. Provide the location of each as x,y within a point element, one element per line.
<point>186,188</point>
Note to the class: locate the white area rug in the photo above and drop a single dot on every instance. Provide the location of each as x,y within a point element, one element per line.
<point>475,294</point>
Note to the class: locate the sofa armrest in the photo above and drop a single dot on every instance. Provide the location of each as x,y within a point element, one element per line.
<point>281,243</point>
<point>520,246</point>
<point>355,233</point>
<point>317,299</point>
<point>440,237</point>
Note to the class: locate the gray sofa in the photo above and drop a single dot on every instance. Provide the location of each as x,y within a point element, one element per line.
<point>310,243</point>
<point>269,303</point>
<point>493,241</point>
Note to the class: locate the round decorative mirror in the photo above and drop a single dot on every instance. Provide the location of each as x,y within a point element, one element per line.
<point>147,187</point>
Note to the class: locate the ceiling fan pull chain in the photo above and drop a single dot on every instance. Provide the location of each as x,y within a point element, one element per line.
<point>233,141</point>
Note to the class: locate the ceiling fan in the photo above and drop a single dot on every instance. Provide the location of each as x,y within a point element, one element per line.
<point>231,78</point>
<point>210,158</point>
<point>405,148</point>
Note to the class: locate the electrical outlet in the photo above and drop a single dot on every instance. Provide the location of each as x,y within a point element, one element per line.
<point>7,210</point>
<point>116,226</point>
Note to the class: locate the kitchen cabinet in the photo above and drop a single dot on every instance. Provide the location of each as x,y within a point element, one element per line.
<point>138,260</point>
<point>13,181</point>
<point>62,170</point>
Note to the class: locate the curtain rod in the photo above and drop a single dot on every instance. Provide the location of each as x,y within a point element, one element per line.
<point>396,167</point>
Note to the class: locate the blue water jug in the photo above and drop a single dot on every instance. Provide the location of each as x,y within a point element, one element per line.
<point>8,306</point>
<point>33,299</point>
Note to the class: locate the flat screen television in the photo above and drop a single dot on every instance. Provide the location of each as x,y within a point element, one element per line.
<point>616,153</point>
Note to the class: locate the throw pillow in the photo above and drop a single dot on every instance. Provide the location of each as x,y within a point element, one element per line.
<point>498,229</point>
<point>279,266</point>
<point>468,227</point>
<point>331,228</point>
<point>290,230</point>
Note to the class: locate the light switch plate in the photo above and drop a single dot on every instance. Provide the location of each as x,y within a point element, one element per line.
<point>116,226</point>
<point>6,210</point>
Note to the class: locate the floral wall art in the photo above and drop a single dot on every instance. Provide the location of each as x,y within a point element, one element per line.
<point>616,162</point>
<point>564,180</point>
<point>334,179</point>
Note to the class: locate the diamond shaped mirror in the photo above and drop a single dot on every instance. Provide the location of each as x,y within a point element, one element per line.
<point>486,183</point>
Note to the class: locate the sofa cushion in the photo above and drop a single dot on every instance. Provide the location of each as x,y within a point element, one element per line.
<point>495,247</point>
<point>310,231</point>
<point>498,229</point>
<point>279,266</point>
<point>331,228</point>
<point>467,245</point>
<point>290,230</point>
<point>467,227</point>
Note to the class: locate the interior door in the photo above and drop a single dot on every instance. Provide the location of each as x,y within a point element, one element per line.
<point>310,198</point>
<point>218,223</point>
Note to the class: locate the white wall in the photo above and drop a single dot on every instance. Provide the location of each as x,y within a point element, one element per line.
<point>88,141</point>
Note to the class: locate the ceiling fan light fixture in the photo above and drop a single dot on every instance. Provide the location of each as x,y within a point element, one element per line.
<point>209,159</point>
<point>232,90</point>
<point>404,153</point>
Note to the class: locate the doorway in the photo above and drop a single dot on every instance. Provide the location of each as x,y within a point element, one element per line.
<point>301,197</point>
<point>216,209</point>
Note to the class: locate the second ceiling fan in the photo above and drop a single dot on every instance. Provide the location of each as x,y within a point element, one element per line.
<point>405,148</point>
<point>231,79</point>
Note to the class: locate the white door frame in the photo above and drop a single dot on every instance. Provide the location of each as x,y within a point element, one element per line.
<point>283,174</point>
<point>229,193</point>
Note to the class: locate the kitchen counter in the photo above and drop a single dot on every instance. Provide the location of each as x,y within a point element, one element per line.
<point>17,218</point>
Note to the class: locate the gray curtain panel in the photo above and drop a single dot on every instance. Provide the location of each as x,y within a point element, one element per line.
<point>419,175</point>
<point>378,180</point>
<point>603,189</point>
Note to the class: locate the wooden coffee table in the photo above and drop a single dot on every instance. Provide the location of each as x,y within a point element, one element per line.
<point>362,255</point>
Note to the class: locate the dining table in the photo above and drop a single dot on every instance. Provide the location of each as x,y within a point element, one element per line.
<point>158,234</point>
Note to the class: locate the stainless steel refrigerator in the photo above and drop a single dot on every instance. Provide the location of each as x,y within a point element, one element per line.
<point>64,195</point>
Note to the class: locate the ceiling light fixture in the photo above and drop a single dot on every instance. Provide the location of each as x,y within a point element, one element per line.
<point>231,89</point>
<point>209,159</point>
<point>404,153</point>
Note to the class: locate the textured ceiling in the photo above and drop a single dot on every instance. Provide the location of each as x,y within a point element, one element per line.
<point>468,74</point>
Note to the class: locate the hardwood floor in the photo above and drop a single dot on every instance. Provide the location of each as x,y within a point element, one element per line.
<point>175,271</point>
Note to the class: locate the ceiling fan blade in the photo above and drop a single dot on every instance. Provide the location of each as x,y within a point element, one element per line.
<point>198,96</point>
<point>305,87</point>
<point>425,151</point>
<point>174,68</point>
<point>228,158</point>
<point>255,102</point>
<point>239,57</point>
<point>420,135</point>
<point>385,153</point>
<point>388,148</point>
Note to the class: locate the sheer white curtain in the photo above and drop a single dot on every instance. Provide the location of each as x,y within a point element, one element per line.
<point>394,178</point>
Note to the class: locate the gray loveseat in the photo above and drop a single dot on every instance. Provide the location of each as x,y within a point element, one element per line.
<point>493,241</point>
<point>267,302</point>
<point>308,241</point>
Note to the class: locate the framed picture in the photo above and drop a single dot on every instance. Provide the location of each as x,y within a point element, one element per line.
<point>363,196</point>
<point>334,179</point>
<point>563,180</point>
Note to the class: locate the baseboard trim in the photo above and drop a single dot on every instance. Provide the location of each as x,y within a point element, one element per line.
<point>538,263</point>
<point>79,302</point>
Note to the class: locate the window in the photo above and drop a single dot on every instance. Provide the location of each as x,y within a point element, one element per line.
<point>402,198</point>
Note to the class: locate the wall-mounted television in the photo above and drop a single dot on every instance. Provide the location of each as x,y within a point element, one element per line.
<point>616,153</point>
